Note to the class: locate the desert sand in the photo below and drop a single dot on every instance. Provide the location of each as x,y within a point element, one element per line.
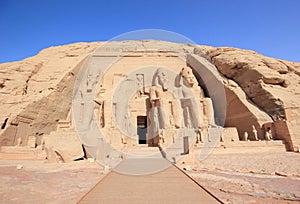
<point>250,178</point>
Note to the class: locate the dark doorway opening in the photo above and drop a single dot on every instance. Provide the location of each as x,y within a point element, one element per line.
<point>142,129</point>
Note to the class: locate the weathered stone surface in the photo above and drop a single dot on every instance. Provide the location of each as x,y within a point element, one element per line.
<point>231,103</point>
<point>265,80</point>
<point>258,89</point>
<point>240,109</point>
<point>272,85</point>
<point>63,146</point>
<point>40,87</point>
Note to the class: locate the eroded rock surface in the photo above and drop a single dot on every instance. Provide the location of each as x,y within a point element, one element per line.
<point>39,88</point>
<point>272,85</point>
<point>265,80</point>
<point>36,92</point>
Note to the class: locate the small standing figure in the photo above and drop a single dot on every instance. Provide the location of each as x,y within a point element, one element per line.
<point>207,132</point>
<point>245,138</point>
<point>43,144</point>
<point>19,142</point>
<point>89,83</point>
<point>140,83</point>
<point>268,134</point>
<point>254,132</point>
<point>161,137</point>
<point>199,136</point>
<point>222,138</point>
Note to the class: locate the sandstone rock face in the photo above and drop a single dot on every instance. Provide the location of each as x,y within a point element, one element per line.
<point>261,92</point>
<point>270,84</point>
<point>37,91</point>
<point>266,81</point>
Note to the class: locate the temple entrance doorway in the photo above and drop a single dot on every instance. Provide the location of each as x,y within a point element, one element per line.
<point>142,129</point>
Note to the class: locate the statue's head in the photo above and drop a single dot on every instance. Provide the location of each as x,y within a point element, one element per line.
<point>161,78</point>
<point>187,74</point>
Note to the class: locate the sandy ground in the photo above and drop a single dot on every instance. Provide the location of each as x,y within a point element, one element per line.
<point>250,178</point>
<point>40,182</point>
<point>233,178</point>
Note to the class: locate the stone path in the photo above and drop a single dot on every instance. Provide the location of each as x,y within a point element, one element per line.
<point>168,186</point>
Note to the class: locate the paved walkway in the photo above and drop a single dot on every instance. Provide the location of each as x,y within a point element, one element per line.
<point>168,186</point>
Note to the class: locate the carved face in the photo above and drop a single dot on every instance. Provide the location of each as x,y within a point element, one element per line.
<point>163,79</point>
<point>139,77</point>
<point>188,76</point>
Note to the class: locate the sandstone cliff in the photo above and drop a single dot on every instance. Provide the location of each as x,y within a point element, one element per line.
<point>39,89</point>
<point>259,89</point>
<point>272,85</point>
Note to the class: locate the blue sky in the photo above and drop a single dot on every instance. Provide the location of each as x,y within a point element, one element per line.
<point>270,27</point>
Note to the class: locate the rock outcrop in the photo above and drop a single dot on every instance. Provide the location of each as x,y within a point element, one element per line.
<point>272,85</point>
<point>36,93</point>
